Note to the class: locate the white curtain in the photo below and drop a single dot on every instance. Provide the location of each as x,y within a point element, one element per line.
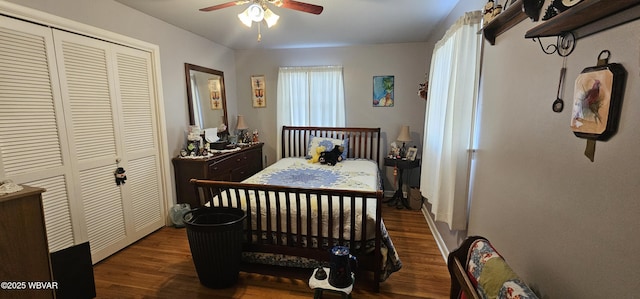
<point>449,119</point>
<point>310,96</point>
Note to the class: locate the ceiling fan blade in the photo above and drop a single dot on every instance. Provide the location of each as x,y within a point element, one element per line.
<point>224,5</point>
<point>301,6</point>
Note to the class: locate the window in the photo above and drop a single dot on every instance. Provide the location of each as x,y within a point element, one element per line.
<point>311,96</point>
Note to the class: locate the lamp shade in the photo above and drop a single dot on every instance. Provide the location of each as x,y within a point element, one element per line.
<point>270,17</point>
<point>245,18</point>
<point>404,134</point>
<point>241,124</point>
<point>253,13</point>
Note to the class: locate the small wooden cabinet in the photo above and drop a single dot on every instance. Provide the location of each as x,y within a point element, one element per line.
<point>24,250</point>
<point>231,166</point>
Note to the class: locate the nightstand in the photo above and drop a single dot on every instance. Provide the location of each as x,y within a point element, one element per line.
<point>398,198</point>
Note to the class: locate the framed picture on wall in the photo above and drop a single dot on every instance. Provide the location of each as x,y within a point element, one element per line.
<point>258,93</point>
<point>383,91</point>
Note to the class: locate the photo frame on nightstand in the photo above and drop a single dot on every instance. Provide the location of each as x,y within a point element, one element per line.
<point>411,153</point>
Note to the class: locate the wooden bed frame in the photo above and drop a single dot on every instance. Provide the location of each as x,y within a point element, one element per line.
<point>363,143</point>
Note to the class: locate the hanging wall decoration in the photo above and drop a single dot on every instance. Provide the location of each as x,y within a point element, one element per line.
<point>597,102</point>
<point>383,91</point>
<point>258,93</point>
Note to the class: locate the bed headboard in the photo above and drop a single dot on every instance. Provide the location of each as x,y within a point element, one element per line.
<point>363,142</point>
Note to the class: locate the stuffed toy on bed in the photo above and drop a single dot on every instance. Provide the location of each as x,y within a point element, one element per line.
<point>316,156</point>
<point>333,156</point>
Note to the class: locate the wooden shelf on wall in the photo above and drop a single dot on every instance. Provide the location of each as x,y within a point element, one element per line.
<point>588,17</point>
<point>504,21</point>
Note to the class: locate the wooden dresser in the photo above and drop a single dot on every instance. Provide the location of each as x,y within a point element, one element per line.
<point>231,166</point>
<point>24,250</point>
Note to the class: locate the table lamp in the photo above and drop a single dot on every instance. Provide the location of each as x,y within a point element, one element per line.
<point>241,126</point>
<point>404,137</point>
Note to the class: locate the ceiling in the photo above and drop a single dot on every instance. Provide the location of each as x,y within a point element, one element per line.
<point>342,22</point>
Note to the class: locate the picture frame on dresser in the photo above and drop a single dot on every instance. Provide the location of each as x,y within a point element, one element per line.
<point>411,153</point>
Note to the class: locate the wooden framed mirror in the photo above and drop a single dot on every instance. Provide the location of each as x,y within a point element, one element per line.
<point>206,96</point>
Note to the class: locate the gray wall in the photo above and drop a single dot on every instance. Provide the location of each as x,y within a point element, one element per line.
<point>407,62</point>
<point>565,224</point>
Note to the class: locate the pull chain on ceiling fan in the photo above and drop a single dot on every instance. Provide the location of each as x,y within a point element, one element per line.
<point>258,11</point>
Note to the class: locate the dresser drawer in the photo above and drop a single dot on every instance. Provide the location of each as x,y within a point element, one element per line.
<point>232,166</point>
<point>224,166</point>
<point>242,173</point>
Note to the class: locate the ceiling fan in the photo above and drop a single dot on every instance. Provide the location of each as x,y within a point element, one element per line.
<point>291,4</point>
<point>258,10</point>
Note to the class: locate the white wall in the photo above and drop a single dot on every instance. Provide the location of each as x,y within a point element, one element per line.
<point>177,47</point>
<point>568,226</point>
<point>407,62</point>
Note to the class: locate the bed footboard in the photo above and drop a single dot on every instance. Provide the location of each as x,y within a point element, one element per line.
<point>307,222</point>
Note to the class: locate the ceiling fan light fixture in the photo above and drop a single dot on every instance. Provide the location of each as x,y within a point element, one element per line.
<point>277,3</point>
<point>270,17</point>
<point>256,13</point>
<point>245,19</point>
<point>253,13</point>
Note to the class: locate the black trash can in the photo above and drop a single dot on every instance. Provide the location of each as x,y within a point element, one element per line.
<point>215,238</point>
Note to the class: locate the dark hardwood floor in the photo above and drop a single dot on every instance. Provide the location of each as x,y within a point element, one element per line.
<point>160,266</point>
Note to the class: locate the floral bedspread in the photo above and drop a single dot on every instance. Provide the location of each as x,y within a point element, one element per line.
<point>350,174</point>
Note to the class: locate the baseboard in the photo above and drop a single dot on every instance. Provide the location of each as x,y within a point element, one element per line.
<point>436,234</point>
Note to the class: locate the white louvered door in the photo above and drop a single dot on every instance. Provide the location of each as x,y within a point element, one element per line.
<point>108,99</point>
<point>72,110</point>
<point>89,104</point>
<point>33,141</point>
<point>133,77</point>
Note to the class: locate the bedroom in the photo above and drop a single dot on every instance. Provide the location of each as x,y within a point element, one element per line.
<point>532,181</point>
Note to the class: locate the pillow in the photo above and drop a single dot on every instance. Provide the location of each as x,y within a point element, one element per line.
<point>328,143</point>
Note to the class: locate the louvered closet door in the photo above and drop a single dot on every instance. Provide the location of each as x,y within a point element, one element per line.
<point>134,87</point>
<point>33,144</point>
<point>90,113</point>
<point>108,102</point>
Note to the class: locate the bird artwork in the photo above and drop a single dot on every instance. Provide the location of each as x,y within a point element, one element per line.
<point>593,101</point>
<point>588,105</point>
<point>597,102</point>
